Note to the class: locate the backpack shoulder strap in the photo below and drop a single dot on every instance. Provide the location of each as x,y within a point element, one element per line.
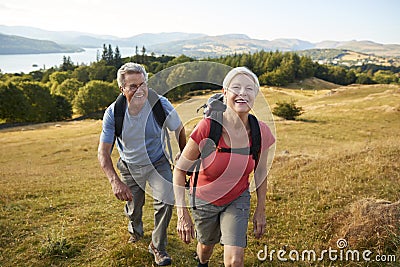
<point>157,108</point>
<point>119,113</point>
<point>210,146</point>
<point>214,134</point>
<point>215,127</point>
<point>255,138</point>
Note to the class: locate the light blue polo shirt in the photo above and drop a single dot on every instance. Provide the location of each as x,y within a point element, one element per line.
<point>142,140</point>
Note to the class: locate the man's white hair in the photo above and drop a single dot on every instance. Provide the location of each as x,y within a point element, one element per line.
<point>130,67</point>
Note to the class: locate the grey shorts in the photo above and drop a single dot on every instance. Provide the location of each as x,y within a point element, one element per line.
<point>158,175</point>
<point>225,224</point>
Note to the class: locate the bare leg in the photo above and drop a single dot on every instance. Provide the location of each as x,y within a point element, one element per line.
<point>233,256</point>
<point>204,252</point>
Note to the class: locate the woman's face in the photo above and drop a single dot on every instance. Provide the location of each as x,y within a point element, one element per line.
<point>241,93</point>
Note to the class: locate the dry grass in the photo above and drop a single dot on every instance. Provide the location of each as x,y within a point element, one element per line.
<point>57,208</point>
<point>367,223</point>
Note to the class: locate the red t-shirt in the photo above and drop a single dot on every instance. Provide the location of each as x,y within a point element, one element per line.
<point>225,176</point>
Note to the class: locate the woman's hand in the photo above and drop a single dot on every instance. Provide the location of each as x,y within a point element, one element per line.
<point>185,225</point>
<point>259,222</point>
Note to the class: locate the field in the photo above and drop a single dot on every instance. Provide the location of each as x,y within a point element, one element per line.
<point>332,168</point>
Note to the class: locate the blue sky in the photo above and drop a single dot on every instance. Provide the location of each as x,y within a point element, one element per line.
<point>312,20</point>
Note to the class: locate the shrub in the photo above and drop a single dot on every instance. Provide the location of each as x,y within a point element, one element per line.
<point>288,111</point>
<point>56,245</point>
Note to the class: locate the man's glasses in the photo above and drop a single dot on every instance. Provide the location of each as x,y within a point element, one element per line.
<point>134,87</point>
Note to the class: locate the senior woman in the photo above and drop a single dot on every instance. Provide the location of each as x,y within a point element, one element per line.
<point>222,194</point>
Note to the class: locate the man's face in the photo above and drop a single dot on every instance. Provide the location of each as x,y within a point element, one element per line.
<point>135,88</point>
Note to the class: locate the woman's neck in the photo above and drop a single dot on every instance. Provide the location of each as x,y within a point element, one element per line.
<point>236,120</point>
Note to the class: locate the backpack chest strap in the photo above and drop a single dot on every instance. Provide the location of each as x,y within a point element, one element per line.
<point>241,151</point>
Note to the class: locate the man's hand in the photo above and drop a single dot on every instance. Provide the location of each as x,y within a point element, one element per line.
<point>121,191</point>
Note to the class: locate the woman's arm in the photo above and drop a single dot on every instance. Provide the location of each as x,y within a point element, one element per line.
<point>189,155</point>
<point>260,179</point>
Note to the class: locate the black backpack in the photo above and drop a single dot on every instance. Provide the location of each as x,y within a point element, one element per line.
<point>214,109</point>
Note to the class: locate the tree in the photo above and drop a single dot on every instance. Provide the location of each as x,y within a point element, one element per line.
<point>385,77</point>
<point>143,54</point>
<point>59,76</point>
<point>81,73</point>
<point>275,78</point>
<point>178,60</point>
<point>67,64</point>
<point>105,53</point>
<point>62,110</point>
<point>47,73</point>
<point>246,60</point>
<point>110,56</point>
<point>351,77</point>
<point>287,70</point>
<point>68,89</point>
<point>14,105</point>
<point>288,111</point>
<point>306,68</point>
<point>99,71</point>
<point>117,58</point>
<point>40,101</point>
<point>95,96</point>
<point>175,81</point>
<point>37,75</point>
<point>364,78</point>
<point>337,75</point>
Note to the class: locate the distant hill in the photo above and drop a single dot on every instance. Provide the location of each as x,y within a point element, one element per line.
<point>84,39</point>
<point>140,40</point>
<point>213,46</point>
<point>11,44</point>
<point>367,47</point>
<point>61,37</point>
<point>200,45</point>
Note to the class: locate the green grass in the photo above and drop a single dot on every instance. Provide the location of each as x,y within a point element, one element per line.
<point>57,207</point>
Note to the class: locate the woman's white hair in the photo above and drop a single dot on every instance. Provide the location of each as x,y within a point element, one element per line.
<point>130,67</point>
<point>240,70</point>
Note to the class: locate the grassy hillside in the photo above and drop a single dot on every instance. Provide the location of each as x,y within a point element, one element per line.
<point>57,208</point>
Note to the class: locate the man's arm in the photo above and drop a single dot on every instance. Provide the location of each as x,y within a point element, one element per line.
<point>120,190</point>
<point>180,135</point>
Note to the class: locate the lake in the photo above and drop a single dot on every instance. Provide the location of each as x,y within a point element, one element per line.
<point>31,62</point>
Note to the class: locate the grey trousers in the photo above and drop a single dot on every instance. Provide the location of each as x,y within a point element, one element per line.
<point>159,178</point>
